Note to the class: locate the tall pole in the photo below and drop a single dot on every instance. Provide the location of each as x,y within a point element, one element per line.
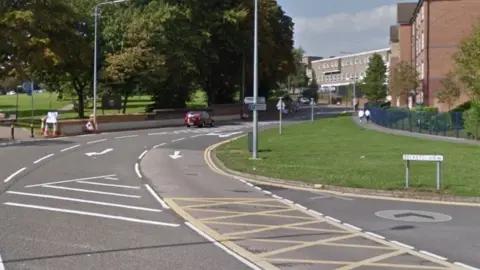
<point>95,69</point>
<point>255,81</point>
<point>354,98</point>
<point>243,83</point>
<point>31,92</point>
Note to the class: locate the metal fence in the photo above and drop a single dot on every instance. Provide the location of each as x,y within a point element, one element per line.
<point>449,124</point>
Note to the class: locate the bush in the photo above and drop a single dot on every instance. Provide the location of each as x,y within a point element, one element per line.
<point>472,119</point>
<point>462,107</point>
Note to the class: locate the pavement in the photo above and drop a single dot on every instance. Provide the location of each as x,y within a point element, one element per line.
<point>151,199</point>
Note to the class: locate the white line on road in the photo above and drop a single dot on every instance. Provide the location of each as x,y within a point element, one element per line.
<point>137,170</point>
<point>154,194</point>
<point>97,141</point>
<point>332,219</point>
<point>84,201</point>
<point>93,191</point>
<point>198,135</point>
<point>91,214</point>
<point>352,226</point>
<point>111,178</point>
<point>159,133</point>
<point>402,244</point>
<point>433,255</point>
<point>108,185</point>
<point>2,267</point>
<point>70,148</point>
<point>74,180</point>
<point>375,235</point>
<point>42,158</point>
<point>127,136</point>
<point>142,154</point>
<point>179,139</point>
<point>158,145</point>
<point>466,266</point>
<point>14,174</point>
<point>235,255</point>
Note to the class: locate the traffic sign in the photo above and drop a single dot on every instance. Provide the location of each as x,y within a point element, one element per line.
<point>250,100</point>
<point>257,107</point>
<point>312,102</point>
<point>280,105</point>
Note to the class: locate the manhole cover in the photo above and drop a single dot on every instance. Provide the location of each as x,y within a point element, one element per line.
<point>413,216</point>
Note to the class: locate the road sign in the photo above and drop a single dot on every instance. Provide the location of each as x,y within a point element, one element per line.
<point>250,100</point>
<point>257,107</point>
<point>280,105</point>
<point>312,102</point>
<point>408,157</point>
<point>423,157</point>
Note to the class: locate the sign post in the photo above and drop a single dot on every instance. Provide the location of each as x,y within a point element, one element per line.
<point>436,158</point>
<point>312,104</point>
<point>280,107</point>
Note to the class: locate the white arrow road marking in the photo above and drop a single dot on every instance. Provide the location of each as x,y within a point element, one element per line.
<point>176,155</point>
<point>98,154</point>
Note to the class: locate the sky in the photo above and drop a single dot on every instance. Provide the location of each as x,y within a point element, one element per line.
<point>326,28</point>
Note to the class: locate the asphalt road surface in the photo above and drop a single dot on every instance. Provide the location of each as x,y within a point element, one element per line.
<point>148,200</point>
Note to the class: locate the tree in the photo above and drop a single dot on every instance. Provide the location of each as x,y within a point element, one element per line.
<point>405,80</point>
<point>373,85</point>
<point>298,78</point>
<point>348,93</point>
<point>450,92</point>
<point>468,62</point>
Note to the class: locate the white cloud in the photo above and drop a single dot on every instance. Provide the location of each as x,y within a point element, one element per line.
<point>365,30</point>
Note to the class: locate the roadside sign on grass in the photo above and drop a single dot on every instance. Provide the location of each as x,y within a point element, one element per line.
<point>251,100</point>
<point>280,105</point>
<point>409,157</point>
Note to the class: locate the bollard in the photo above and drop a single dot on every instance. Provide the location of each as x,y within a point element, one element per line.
<point>32,132</point>
<point>12,131</point>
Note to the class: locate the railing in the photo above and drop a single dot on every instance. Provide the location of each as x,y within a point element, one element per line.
<point>450,124</point>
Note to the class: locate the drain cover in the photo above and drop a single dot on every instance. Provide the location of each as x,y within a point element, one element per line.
<point>413,216</point>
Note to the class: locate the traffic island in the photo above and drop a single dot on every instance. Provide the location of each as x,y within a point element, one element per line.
<point>337,154</point>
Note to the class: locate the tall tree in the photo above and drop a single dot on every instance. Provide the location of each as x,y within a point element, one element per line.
<point>373,85</point>
<point>468,62</point>
<point>450,92</point>
<point>298,78</point>
<point>405,80</point>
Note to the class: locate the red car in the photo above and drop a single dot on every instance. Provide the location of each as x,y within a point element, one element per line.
<point>198,118</point>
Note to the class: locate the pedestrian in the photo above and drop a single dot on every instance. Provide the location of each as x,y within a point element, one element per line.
<point>367,115</point>
<point>361,115</point>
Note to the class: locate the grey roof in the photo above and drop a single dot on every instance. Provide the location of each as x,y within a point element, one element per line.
<point>405,12</point>
<point>393,33</point>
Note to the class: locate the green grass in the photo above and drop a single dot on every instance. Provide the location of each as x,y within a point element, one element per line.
<point>338,152</point>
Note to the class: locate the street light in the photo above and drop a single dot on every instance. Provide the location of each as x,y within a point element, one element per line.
<point>354,99</point>
<point>255,81</point>
<point>97,7</point>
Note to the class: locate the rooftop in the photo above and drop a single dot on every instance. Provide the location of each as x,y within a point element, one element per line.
<point>351,55</point>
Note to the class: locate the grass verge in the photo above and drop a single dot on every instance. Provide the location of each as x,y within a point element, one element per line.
<point>337,152</point>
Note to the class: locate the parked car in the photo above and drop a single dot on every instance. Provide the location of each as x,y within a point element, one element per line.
<point>198,118</point>
<point>304,100</point>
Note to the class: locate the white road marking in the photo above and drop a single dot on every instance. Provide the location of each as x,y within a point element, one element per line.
<point>111,178</point>
<point>331,196</point>
<point>74,180</point>
<point>267,192</point>
<point>235,255</point>
<point>42,158</point>
<point>97,141</point>
<point>402,244</point>
<point>257,188</point>
<point>137,170</point>
<point>107,185</point>
<point>301,206</point>
<point>127,136</point>
<point>83,201</point>
<point>70,148</point>
<point>92,214</point>
<point>315,212</point>
<point>2,267</point>
<point>375,235</point>
<point>179,139</point>
<point>154,194</point>
<point>159,133</point>
<point>93,191</point>
<point>332,219</point>
<point>433,255</point>
<point>14,174</point>
<point>352,227</point>
<point>466,266</point>
<point>158,145</point>
<point>198,135</point>
<point>277,197</point>
<point>142,154</point>
<point>250,184</point>
<point>86,135</point>
<point>90,154</point>
<point>288,201</point>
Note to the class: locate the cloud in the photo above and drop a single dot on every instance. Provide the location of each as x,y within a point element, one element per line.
<point>365,30</point>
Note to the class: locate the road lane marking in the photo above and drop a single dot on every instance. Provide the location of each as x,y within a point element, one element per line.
<point>466,266</point>
<point>43,158</point>
<point>126,136</point>
<point>74,180</point>
<point>14,174</point>
<point>158,133</point>
<point>375,235</point>
<point>70,148</point>
<point>224,248</point>
<point>142,154</point>
<point>93,191</point>
<point>137,170</point>
<point>155,195</point>
<point>93,214</point>
<point>438,257</point>
<point>84,201</point>
<point>179,139</point>
<point>111,178</point>
<point>401,244</point>
<point>158,145</point>
<point>108,185</point>
<point>97,141</point>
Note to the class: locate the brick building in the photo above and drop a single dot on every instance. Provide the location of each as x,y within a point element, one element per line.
<point>436,29</point>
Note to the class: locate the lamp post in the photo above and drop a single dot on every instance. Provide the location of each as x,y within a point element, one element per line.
<point>255,81</point>
<point>95,53</point>
<point>354,95</point>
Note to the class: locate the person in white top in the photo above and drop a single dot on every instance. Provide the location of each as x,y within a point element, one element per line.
<point>367,115</point>
<point>360,115</point>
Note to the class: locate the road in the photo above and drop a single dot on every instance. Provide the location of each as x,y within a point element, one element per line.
<point>148,200</point>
